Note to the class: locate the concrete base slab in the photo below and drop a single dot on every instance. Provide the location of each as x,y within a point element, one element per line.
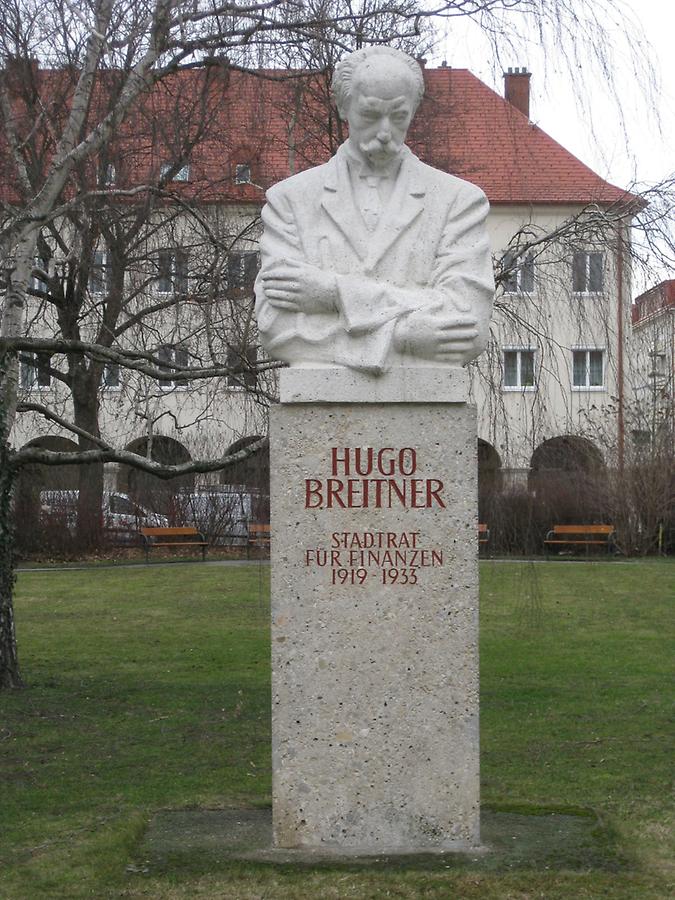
<point>203,838</point>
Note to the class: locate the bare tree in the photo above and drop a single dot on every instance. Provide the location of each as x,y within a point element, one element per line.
<point>135,265</point>
<point>106,55</point>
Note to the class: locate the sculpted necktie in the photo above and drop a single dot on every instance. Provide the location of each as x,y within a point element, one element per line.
<point>371,202</point>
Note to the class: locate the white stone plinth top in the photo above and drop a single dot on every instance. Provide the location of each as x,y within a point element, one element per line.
<point>400,385</point>
<point>375,260</point>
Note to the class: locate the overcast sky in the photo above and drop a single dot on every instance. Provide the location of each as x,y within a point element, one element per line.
<point>578,108</point>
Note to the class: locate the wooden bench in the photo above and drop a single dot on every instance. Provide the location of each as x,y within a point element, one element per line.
<point>173,537</point>
<point>483,534</point>
<point>580,535</point>
<point>258,537</point>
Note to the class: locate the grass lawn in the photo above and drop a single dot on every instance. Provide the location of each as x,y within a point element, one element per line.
<point>149,690</point>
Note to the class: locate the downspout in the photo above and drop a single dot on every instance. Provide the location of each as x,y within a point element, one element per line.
<point>619,359</point>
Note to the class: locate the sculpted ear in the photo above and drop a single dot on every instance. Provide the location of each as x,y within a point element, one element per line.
<point>342,109</point>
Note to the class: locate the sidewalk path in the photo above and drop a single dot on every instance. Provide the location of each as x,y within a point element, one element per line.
<point>142,565</point>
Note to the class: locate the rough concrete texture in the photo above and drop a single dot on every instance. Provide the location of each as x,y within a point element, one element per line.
<point>405,384</point>
<point>375,627</point>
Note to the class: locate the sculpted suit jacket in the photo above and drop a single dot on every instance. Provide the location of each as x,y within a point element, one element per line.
<point>429,249</point>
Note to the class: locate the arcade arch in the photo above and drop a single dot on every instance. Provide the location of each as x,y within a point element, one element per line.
<point>149,490</point>
<point>567,476</point>
<point>253,474</point>
<point>33,479</point>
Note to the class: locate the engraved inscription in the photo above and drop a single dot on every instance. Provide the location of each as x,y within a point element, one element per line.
<point>386,481</point>
<point>368,477</point>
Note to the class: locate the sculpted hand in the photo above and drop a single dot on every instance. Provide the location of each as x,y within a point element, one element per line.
<point>432,333</point>
<point>298,287</point>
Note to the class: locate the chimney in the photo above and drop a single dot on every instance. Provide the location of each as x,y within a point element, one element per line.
<point>517,89</point>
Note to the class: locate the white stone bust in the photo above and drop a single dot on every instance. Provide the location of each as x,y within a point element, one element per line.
<point>375,260</point>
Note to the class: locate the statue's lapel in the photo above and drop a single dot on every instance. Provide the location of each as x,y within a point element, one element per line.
<point>404,206</point>
<point>338,202</point>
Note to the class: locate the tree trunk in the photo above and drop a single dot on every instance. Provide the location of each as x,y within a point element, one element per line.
<point>9,659</point>
<point>89,506</point>
<point>90,483</point>
<point>10,326</point>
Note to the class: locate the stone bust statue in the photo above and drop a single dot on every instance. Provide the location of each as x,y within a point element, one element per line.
<point>375,260</point>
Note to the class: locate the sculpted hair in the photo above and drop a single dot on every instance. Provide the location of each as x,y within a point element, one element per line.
<point>347,68</point>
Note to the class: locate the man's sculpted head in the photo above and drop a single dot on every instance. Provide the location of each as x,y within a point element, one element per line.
<point>372,59</point>
<point>378,90</point>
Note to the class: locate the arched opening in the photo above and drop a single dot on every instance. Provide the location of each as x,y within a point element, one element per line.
<point>148,490</point>
<point>567,453</point>
<point>252,474</point>
<point>489,478</point>
<point>32,481</point>
<point>567,477</point>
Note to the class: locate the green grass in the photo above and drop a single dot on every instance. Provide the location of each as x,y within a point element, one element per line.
<point>149,689</point>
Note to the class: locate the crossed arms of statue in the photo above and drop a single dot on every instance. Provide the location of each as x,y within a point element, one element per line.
<point>444,320</point>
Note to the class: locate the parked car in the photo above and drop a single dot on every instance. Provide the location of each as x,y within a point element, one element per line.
<point>122,517</point>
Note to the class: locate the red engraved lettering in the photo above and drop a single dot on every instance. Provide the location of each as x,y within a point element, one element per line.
<point>399,491</point>
<point>378,482</point>
<point>313,495</point>
<point>407,453</point>
<point>354,494</point>
<point>363,467</point>
<point>339,460</point>
<point>334,488</point>
<point>417,486</point>
<point>385,464</point>
<point>434,488</point>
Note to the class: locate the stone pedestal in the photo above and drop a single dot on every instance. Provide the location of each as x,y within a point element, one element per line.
<point>374,612</point>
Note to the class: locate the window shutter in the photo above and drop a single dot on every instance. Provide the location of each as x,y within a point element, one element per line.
<point>595,272</point>
<point>579,273</point>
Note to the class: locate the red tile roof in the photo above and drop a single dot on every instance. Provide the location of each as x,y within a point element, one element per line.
<point>653,302</point>
<point>233,118</point>
<point>483,138</point>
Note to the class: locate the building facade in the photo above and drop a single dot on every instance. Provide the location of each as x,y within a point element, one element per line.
<point>551,388</point>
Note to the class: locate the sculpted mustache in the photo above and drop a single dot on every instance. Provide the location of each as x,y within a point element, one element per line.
<point>376,146</point>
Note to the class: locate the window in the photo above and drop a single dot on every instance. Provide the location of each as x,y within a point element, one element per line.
<point>588,272</point>
<point>173,355</point>
<point>36,283</point>
<point>520,274</point>
<point>242,174</point>
<point>182,174</point>
<point>518,369</point>
<point>587,368</point>
<point>641,437</point>
<point>35,370</point>
<point>242,269</point>
<point>243,358</point>
<point>173,272</point>
<point>111,376</point>
<point>658,364</point>
<point>110,175</point>
<point>98,273</point>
